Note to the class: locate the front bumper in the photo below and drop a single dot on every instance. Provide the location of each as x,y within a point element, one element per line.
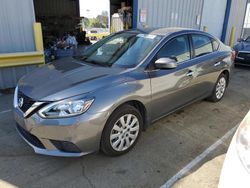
<point>68,137</point>
<point>242,58</point>
<point>39,148</point>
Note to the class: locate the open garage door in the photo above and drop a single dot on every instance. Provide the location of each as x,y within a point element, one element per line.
<point>108,16</point>
<point>58,17</point>
<point>121,15</point>
<point>93,19</point>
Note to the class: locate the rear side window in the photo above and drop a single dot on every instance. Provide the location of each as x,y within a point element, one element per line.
<point>202,45</point>
<point>177,48</point>
<point>215,44</point>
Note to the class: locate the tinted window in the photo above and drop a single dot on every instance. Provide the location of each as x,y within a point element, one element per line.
<point>202,45</point>
<point>177,48</point>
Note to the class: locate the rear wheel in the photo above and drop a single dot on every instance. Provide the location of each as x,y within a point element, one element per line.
<point>121,131</point>
<point>219,89</point>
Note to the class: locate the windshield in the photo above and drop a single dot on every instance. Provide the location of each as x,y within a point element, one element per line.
<point>123,49</point>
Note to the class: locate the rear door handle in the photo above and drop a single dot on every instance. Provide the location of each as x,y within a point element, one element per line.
<point>217,64</point>
<point>190,73</point>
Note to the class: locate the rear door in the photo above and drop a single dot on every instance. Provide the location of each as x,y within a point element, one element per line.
<point>173,88</point>
<point>208,63</point>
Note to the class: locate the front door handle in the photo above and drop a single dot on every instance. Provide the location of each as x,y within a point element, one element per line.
<point>217,64</point>
<point>190,73</point>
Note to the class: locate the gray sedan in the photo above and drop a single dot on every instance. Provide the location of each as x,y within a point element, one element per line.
<point>117,88</point>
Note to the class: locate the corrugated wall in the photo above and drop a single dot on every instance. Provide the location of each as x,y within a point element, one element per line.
<point>169,13</point>
<point>10,76</point>
<point>16,19</point>
<point>236,19</point>
<point>16,35</point>
<point>214,21</point>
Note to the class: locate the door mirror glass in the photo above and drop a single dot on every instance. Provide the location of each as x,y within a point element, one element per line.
<point>166,63</point>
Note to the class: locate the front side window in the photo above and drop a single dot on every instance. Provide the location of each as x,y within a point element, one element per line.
<point>124,49</point>
<point>177,48</point>
<point>202,45</point>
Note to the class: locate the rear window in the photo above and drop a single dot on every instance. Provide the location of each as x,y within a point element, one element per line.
<point>202,45</point>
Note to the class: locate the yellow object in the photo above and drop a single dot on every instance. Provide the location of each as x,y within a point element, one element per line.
<point>20,59</point>
<point>126,26</point>
<point>231,41</point>
<point>97,35</point>
<point>38,36</point>
<point>26,58</point>
<point>205,28</point>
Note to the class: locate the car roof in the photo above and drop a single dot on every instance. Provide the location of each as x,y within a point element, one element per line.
<point>166,31</point>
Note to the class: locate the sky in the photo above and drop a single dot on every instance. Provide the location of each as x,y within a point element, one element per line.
<point>92,8</point>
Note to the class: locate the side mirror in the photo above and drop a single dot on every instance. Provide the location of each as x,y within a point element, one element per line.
<point>165,63</point>
<point>240,40</point>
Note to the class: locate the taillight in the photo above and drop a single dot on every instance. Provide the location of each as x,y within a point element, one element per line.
<point>233,55</point>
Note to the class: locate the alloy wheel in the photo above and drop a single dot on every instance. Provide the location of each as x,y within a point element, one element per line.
<point>220,88</point>
<point>124,132</point>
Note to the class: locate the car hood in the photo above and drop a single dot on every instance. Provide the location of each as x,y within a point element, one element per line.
<point>242,46</point>
<point>67,78</point>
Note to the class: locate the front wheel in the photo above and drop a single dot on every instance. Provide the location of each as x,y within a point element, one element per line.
<point>219,89</point>
<point>121,131</point>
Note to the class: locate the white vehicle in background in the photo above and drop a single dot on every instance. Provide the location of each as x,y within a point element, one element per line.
<point>236,168</point>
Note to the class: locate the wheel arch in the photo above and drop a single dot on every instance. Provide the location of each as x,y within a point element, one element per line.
<point>136,104</point>
<point>139,106</point>
<point>227,74</point>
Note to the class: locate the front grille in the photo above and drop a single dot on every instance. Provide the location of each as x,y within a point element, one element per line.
<point>27,101</point>
<point>30,137</point>
<point>244,55</point>
<point>65,146</point>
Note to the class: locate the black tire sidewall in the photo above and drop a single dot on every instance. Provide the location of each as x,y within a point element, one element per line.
<point>214,97</point>
<point>105,140</point>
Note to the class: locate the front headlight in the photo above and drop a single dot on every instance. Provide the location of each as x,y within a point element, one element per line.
<point>65,108</point>
<point>243,142</point>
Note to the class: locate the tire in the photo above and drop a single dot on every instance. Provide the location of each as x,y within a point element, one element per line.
<point>219,88</point>
<point>118,136</point>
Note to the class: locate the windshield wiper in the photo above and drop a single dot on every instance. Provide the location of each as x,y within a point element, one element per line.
<point>94,62</point>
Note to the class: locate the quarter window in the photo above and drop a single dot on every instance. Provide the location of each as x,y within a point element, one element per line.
<point>202,45</point>
<point>215,45</point>
<point>177,48</point>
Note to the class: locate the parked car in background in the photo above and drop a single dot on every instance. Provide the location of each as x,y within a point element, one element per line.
<point>119,86</point>
<point>96,34</point>
<point>242,49</point>
<point>236,167</point>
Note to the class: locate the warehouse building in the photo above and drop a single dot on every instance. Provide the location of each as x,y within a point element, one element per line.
<point>22,47</point>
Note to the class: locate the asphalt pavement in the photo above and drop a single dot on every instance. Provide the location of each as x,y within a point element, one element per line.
<point>162,151</point>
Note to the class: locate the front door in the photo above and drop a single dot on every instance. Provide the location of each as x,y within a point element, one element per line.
<point>173,88</point>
